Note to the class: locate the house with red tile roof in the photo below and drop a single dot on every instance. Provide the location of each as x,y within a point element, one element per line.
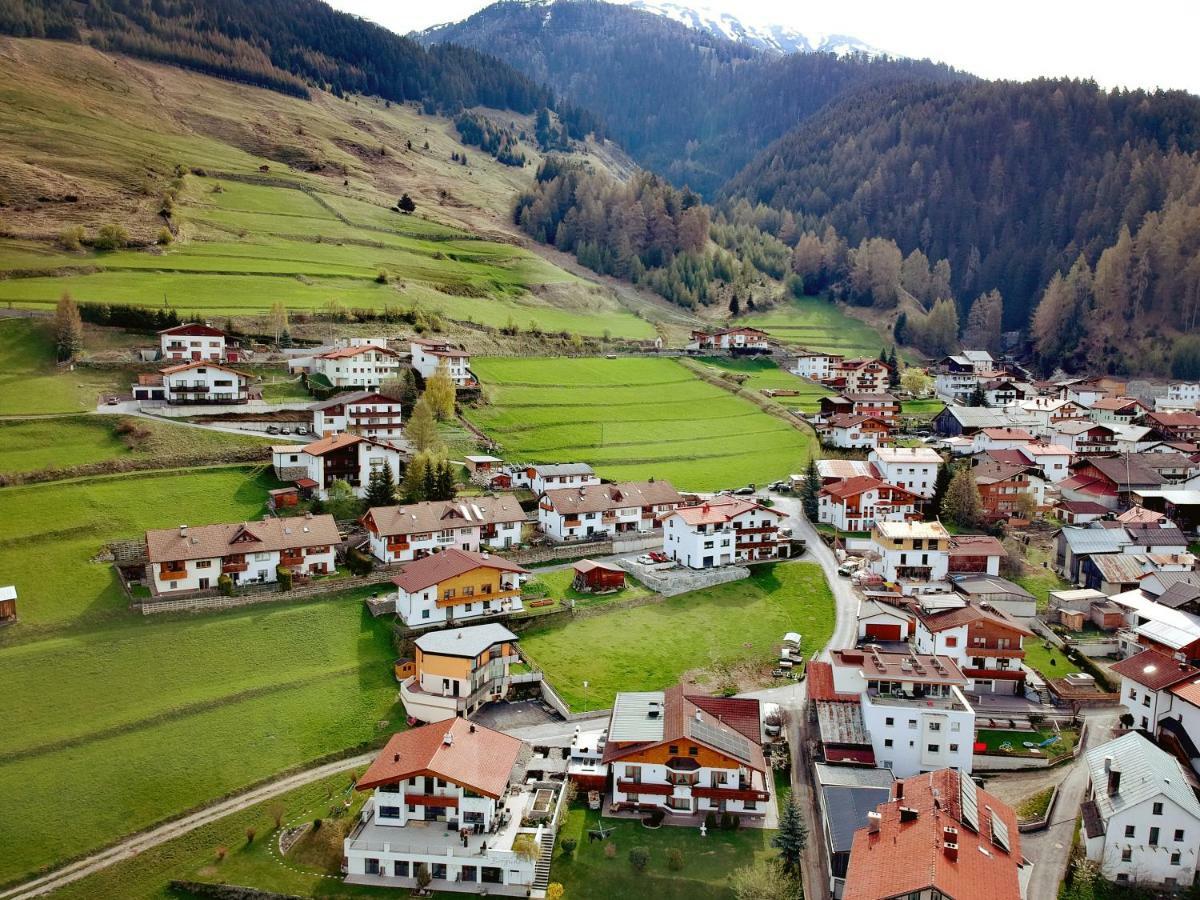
<point>688,753</point>
<point>738,338</point>
<point>359,366</point>
<point>986,643</point>
<point>1146,682</point>
<point>850,431</point>
<point>413,530</point>
<point>196,342</point>
<point>856,504</point>
<point>455,585</point>
<point>861,375</point>
<point>336,456</point>
<point>723,531</point>
<point>451,799</point>
<point>196,383</point>
<point>939,836</point>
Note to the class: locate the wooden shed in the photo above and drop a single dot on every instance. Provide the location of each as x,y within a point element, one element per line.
<point>8,603</point>
<point>282,498</point>
<point>593,576</point>
<point>482,464</point>
<point>1072,619</point>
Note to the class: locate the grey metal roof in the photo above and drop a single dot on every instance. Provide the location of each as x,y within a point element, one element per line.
<point>853,776</point>
<point>846,808</point>
<point>1157,536</point>
<point>338,399</point>
<point>631,719</point>
<point>558,469</point>
<point>841,723</point>
<point>1095,540</point>
<point>1146,773</point>
<point>989,586</point>
<point>1119,568</point>
<point>469,641</point>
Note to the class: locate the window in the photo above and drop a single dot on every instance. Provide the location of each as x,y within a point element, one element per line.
<point>889,721</point>
<point>954,748</point>
<point>424,614</point>
<point>389,812</point>
<point>951,642</point>
<point>1127,854</point>
<point>912,724</point>
<point>1146,700</point>
<point>204,564</point>
<point>935,748</point>
<point>935,726</point>
<point>1175,857</point>
<point>693,751</point>
<point>448,594</point>
<point>954,726</point>
<point>1130,831</point>
<point>400,868</point>
<point>888,742</point>
<point>372,866</point>
<point>1157,809</point>
<point>674,749</point>
<point>1178,835</point>
<point>1153,837</point>
<point>260,557</point>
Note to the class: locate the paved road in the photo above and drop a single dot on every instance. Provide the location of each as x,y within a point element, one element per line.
<point>163,833</point>
<point>1050,849</point>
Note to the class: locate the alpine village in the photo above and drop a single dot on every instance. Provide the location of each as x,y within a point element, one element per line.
<point>595,450</point>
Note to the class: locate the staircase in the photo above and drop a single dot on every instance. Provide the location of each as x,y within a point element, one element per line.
<point>541,869</point>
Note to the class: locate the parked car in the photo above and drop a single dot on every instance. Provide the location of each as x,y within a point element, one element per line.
<point>744,491</point>
<point>285,430</point>
<point>646,560</point>
<point>272,429</point>
<point>846,570</point>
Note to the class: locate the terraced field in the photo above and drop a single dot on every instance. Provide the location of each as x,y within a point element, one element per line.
<point>634,419</point>
<point>31,384</point>
<point>817,324</point>
<point>763,374</point>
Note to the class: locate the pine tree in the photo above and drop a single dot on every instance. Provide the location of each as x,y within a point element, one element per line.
<point>940,485</point>
<point>900,329</point>
<point>810,490</point>
<point>429,480</point>
<point>422,428</point>
<point>791,838</point>
<point>441,393</point>
<point>445,488</point>
<point>978,396</point>
<point>381,487</point>
<point>962,505</point>
<point>894,371</point>
<point>68,328</point>
<point>406,204</point>
<point>734,306</point>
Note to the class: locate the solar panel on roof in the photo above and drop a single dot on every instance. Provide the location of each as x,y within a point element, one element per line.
<point>733,744</point>
<point>970,802</point>
<point>999,831</point>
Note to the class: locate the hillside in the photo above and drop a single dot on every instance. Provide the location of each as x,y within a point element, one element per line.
<point>687,104</point>
<point>280,199</point>
<point>1010,182</point>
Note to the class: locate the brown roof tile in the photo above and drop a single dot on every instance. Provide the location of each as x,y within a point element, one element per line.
<point>603,497</point>
<point>1154,670</point>
<point>435,515</point>
<point>212,541</point>
<point>434,569</point>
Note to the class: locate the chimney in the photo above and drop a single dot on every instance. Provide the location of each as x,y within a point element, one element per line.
<point>448,738</point>
<point>899,790</point>
<point>873,819</point>
<point>1114,782</point>
<point>183,531</point>
<point>472,728</point>
<point>1107,764</point>
<point>395,757</point>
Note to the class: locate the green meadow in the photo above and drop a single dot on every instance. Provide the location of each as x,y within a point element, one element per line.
<point>634,419</point>
<point>817,323</point>
<point>762,374</point>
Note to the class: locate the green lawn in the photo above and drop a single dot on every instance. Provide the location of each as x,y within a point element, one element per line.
<point>50,533</point>
<point>1035,805</point>
<point>993,738</point>
<point>28,445</point>
<point>1050,663</point>
<point>154,716</point>
<point>816,323</point>
<point>925,409</point>
<point>557,586</point>
<point>31,384</point>
<point>634,419</point>
<point>707,862</point>
<point>650,647</point>
<point>1040,579</point>
<point>764,373</point>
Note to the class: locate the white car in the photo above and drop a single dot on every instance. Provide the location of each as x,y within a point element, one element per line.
<point>646,560</point>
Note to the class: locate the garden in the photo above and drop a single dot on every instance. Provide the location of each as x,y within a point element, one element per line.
<point>634,419</point>
<point>1050,743</point>
<point>725,632</point>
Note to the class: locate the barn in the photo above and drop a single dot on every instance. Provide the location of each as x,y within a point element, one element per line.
<point>593,576</point>
<point>8,604</point>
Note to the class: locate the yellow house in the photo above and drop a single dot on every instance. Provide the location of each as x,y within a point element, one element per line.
<point>457,670</point>
<point>457,584</point>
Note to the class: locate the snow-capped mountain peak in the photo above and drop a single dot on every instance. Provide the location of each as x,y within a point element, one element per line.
<point>778,38</point>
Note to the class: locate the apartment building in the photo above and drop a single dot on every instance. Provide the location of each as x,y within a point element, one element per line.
<point>722,531</point>
<point>403,533</point>
<point>454,585</point>
<point>457,670</point>
<point>593,512</point>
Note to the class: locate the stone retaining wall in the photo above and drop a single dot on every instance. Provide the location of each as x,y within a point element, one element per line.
<point>671,582</point>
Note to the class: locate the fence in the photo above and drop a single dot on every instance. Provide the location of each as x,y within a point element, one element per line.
<point>266,593</point>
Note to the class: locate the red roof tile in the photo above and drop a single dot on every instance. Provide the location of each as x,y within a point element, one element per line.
<point>476,758</point>
<point>1154,670</point>
<point>819,678</point>
<point>431,570</point>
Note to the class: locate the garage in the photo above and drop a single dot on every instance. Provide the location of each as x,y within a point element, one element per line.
<point>883,632</point>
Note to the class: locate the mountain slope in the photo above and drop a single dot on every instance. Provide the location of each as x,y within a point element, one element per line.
<point>1009,181</point>
<point>761,36</point>
<point>687,104</point>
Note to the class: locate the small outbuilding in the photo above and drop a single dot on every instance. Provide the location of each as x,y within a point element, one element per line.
<point>594,577</point>
<point>8,603</point>
<point>481,464</point>
<point>283,498</point>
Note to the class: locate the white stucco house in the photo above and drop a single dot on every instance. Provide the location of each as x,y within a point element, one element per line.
<point>722,531</point>
<point>914,469</point>
<point>428,355</point>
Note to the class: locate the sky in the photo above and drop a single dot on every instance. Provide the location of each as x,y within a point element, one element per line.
<point>1146,44</point>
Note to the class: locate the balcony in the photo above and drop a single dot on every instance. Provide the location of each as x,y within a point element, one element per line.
<point>731,793</point>
<point>189,388</point>
<point>460,599</point>
<point>168,572</point>
<point>230,567</point>
<point>628,786</point>
<point>398,547</point>
<point>433,800</point>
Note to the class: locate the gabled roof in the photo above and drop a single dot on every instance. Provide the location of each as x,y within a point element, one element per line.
<point>1146,773</point>
<point>716,511</point>
<point>852,487</point>
<point>1174,419</point>
<point>1119,568</point>
<point>1155,535</point>
<point>450,563</point>
<point>852,420</point>
<point>602,497</point>
<point>476,757</point>
<point>194,329</point>
<point>435,515</point>
<point>263,536</point>
<point>1137,515</point>
<point>906,854</point>
<point>906,455</point>
<point>557,470</point>
<point>1083,507</point>
<point>1007,433</point>
<point>200,364</point>
<point>1154,670</point>
<point>352,397</point>
<point>969,615</point>
<point>976,545</point>
<point>1179,594</point>
<point>348,352</point>
<point>646,719</point>
<point>989,471</point>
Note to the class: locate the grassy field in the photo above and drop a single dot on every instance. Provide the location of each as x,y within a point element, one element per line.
<point>31,384</point>
<point>634,419</point>
<point>557,586</point>
<point>818,324</point>
<point>1038,577</point>
<point>155,716</point>
<point>707,862</point>
<point>650,647</point>
<point>50,533</point>
<point>1051,663</point>
<point>765,374</point>
<point>316,227</point>
<point>925,409</point>
<point>28,445</point>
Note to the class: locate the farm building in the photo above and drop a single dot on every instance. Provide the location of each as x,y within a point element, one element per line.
<point>594,576</point>
<point>481,465</point>
<point>8,603</point>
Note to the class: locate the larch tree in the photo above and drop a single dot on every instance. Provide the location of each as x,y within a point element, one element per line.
<point>68,328</point>
<point>422,430</point>
<point>984,319</point>
<point>278,320</point>
<point>412,487</point>
<point>441,393</point>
